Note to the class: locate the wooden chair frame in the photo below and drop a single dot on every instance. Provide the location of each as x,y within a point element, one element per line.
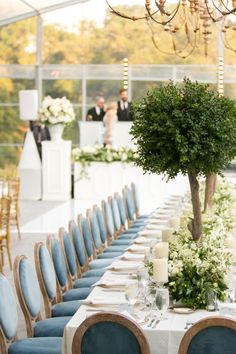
<point>116,195</point>
<point>13,193</point>
<point>80,216</point>
<point>5,233</point>
<point>29,319</point>
<point>48,302</point>
<point>60,289</point>
<point>71,278</point>
<point>122,229</point>
<point>86,266</point>
<point>134,191</point>
<point>96,250</point>
<point>109,317</point>
<point>216,321</point>
<point>109,240</point>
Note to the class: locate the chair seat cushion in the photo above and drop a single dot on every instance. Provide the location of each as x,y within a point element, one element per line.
<point>109,255</point>
<point>47,345</point>
<point>118,248</point>
<point>68,308</point>
<point>85,282</point>
<point>51,327</point>
<point>94,273</point>
<point>76,294</point>
<point>122,242</point>
<point>100,263</point>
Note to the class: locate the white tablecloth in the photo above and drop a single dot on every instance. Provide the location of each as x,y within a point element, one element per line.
<point>164,339</point>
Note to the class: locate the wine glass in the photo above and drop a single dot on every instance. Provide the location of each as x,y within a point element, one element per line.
<point>131,292</point>
<point>162,301</point>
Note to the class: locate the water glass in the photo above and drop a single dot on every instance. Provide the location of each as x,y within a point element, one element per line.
<point>211,300</point>
<point>162,300</point>
<point>131,293</point>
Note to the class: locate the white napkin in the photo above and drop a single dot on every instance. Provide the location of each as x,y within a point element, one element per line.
<point>153,233</point>
<point>156,226</point>
<point>133,256</point>
<point>96,301</point>
<point>143,240</point>
<point>138,249</point>
<point>111,283</point>
<point>119,265</point>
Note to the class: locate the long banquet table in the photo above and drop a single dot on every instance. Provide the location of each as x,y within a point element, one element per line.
<point>163,339</point>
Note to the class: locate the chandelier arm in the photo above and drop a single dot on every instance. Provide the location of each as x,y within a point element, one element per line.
<point>163,23</point>
<point>222,12</point>
<point>227,44</point>
<point>120,14</point>
<point>178,53</point>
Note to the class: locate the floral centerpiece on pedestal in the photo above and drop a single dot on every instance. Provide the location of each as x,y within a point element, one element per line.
<point>56,113</point>
<point>99,153</point>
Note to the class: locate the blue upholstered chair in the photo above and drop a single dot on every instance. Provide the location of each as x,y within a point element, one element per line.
<point>89,247</point>
<point>130,209</point>
<point>105,333</point>
<point>123,216</point>
<point>103,232</point>
<point>73,268</point>
<point>81,254</point>
<point>135,194</point>
<point>111,232</point>
<point>213,335</point>
<point>9,324</point>
<point>48,285</point>
<point>122,234</point>
<point>65,293</point>
<point>29,297</point>
<point>97,242</point>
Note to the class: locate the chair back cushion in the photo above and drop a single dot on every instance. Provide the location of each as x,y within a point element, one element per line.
<point>129,204</point>
<point>78,244</point>
<point>48,271</point>
<point>135,197</point>
<point>213,340</point>
<point>29,287</point>
<point>101,224</point>
<point>58,261</point>
<point>109,220</point>
<point>95,230</point>
<point>8,309</point>
<point>87,237</point>
<point>70,253</point>
<point>109,337</point>
<point>121,210</point>
<point>116,214</point>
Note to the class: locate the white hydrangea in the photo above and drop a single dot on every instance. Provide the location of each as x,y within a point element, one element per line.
<point>56,110</point>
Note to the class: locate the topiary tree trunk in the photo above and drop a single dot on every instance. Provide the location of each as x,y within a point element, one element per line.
<point>210,187</point>
<point>195,225</point>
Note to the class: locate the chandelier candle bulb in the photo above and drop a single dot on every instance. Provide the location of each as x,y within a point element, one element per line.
<point>174,222</point>
<point>167,234</point>
<point>160,270</point>
<point>162,250</point>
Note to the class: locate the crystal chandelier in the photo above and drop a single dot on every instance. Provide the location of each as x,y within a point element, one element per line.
<point>187,24</point>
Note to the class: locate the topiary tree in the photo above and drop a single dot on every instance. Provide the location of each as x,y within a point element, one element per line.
<point>185,129</point>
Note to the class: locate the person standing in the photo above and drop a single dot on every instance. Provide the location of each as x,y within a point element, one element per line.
<point>124,107</point>
<point>109,119</point>
<point>97,113</point>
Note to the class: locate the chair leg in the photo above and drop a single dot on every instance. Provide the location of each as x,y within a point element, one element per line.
<point>18,227</point>
<point>9,255</point>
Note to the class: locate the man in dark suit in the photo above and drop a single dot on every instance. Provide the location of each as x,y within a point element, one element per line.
<point>124,107</point>
<point>97,113</point>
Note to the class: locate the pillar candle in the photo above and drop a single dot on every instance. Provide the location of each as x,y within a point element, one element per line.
<point>167,234</point>
<point>160,270</point>
<point>162,250</point>
<point>230,242</point>
<point>174,222</point>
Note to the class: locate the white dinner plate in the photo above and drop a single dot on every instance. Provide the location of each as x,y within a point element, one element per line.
<point>183,310</point>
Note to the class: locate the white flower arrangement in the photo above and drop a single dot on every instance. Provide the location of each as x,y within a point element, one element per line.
<point>196,268</point>
<point>56,111</point>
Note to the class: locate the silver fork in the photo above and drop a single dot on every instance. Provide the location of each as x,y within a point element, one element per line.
<point>188,324</point>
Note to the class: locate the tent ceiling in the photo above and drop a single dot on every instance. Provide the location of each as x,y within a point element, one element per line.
<point>16,10</point>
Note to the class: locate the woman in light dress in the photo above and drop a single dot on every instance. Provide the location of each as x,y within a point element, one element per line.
<point>109,119</point>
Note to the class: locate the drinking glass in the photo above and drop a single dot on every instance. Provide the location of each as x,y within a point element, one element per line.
<point>162,299</point>
<point>131,292</point>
